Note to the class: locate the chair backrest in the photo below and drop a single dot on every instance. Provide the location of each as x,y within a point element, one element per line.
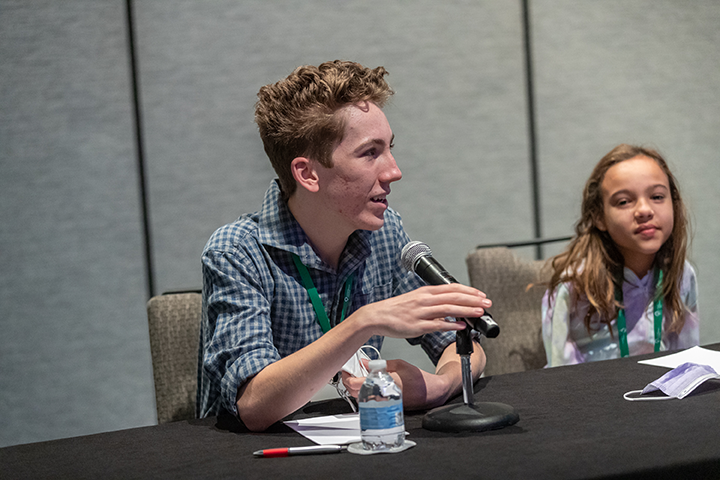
<point>513,284</point>
<point>174,323</point>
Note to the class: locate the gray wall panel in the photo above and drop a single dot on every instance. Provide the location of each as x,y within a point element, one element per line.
<point>458,115</point>
<point>74,353</point>
<point>641,72</point>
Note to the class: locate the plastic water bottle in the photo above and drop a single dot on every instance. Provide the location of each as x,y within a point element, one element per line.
<point>382,424</point>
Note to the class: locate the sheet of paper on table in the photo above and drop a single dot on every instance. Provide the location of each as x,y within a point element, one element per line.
<point>340,429</point>
<point>699,355</point>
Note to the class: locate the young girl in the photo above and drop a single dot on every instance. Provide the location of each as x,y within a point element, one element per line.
<point>623,286</point>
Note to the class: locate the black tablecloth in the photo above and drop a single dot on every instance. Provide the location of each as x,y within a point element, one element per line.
<point>574,423</point>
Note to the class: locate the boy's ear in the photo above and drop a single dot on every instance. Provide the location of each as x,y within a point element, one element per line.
<point>304,172</point>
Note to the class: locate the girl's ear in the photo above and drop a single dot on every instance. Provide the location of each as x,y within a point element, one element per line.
<point>304,172</point>
<point>600,223</point>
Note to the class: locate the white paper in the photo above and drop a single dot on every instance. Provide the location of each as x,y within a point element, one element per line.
<point>340,429</point>
<point>699,355</point>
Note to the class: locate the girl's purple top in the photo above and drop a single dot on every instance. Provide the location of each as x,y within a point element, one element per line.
<point>567,341</point>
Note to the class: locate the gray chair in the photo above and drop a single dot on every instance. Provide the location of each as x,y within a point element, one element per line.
<point>513,284</point>
<point>174,324</point>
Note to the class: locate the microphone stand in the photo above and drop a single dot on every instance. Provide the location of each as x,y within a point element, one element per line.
<point>469,416</point>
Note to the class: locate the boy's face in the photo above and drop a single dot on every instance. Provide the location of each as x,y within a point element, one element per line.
<point>637,209</point>
<point>357,185</point>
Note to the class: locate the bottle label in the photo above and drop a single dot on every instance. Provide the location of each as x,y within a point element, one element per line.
<point>376,415</point>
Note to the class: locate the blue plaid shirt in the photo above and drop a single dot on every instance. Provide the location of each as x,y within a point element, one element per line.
<point>256,310</point>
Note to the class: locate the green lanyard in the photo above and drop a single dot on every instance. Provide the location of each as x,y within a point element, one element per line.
<point>657,314</point>
<point>322,317</point>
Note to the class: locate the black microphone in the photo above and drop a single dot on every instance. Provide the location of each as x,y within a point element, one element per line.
<point>417,257</point>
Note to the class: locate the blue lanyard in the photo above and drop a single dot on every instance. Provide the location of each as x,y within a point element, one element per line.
<point>322,317</point>
<point>657,318</point>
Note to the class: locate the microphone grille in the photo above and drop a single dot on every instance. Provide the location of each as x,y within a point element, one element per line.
<point>412,252</point>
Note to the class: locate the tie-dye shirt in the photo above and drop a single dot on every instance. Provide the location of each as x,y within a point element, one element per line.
<point>567,340</point>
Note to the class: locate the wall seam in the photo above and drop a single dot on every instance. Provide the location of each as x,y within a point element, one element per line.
<point>532,139</point>
<point>140,152</point>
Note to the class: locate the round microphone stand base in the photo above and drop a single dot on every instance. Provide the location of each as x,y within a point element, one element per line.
<point>476,417</point>
<point>469,416</point>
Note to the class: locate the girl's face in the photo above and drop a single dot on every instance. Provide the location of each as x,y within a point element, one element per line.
<point>637,210</point>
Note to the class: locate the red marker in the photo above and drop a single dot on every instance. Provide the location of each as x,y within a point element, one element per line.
<point>290,451</point>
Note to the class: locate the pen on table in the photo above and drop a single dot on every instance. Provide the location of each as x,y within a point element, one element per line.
<point>289,451</point>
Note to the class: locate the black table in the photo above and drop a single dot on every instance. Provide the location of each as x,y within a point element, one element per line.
<point>574,423</point>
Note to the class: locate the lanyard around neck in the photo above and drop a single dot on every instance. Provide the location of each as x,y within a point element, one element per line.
<point>657,318</point>
<point>322,317</point>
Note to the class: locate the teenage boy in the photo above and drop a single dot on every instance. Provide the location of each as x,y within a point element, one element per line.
<point>291,292</point>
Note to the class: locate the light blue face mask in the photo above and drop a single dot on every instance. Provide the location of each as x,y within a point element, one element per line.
<point>677,383</point>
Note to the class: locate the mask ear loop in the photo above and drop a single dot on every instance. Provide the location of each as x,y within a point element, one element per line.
<point>342,391</point>
<point>377,352</point>
<point>627,396</point>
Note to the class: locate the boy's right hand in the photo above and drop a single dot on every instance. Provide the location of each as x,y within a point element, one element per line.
<point>424,310</point>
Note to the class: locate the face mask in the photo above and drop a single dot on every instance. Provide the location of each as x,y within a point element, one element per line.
<point>356,368</point>
<point>677,383</point>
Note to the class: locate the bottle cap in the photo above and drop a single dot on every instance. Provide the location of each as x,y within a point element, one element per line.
<point>374,365</point>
